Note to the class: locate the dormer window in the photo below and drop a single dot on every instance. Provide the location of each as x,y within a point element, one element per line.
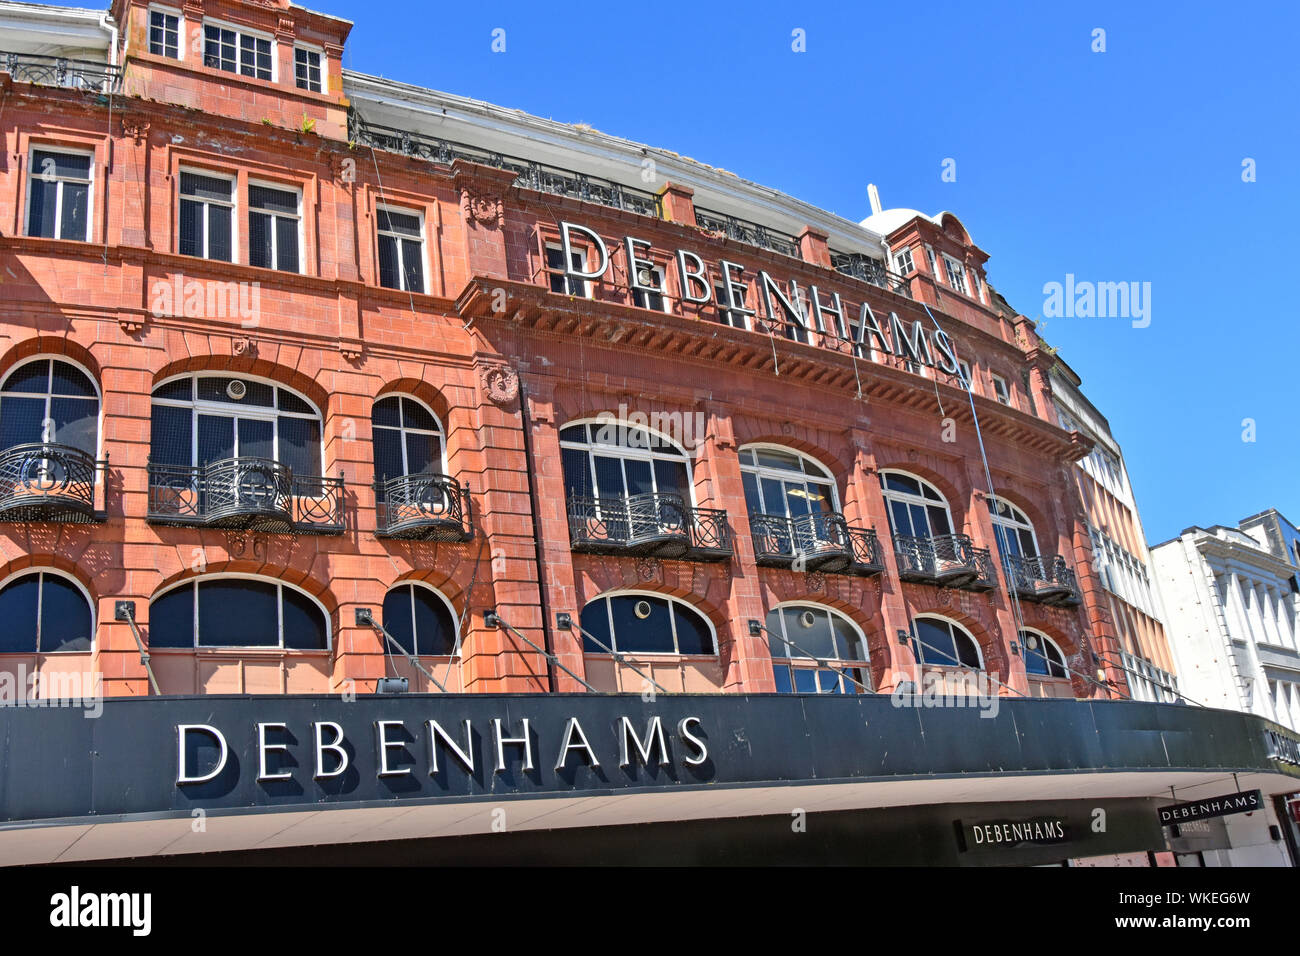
<point>306,69</point>
<point>165,34</point>
<point>235,51</point>
<point>956,274</point>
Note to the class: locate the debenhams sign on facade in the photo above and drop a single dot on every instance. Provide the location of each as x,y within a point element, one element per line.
<point>826,314</point>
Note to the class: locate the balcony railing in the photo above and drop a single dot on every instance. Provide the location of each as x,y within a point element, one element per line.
<point>245,494</point>
<point>85,75</point>
<point>426,507</point>
<point>747,232</point>
<point>531,175</point>
<point>658,524</point>
<point>862,266</point>
<point>44,481</point>
<point>821,541</point>
<point>1044,579</point>
<point>946,560</point>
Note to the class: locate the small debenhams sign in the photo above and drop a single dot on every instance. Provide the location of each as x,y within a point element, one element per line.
<point>1243,802</point>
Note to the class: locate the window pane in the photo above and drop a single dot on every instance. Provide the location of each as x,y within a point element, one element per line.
<point>32,378</point>
<point>413,265</point>
<point>388,453</point>
<point>805,680</point>
<point>415,415</point>
<point>76,422</point>
<point>435,630</point>
<point>219,239</point>
<point>671,477</point>
<point>69,380</point>
<point>300,445</point>
<point>256,438</point>
<point>275,200</point>
<point>42,209</point>
<point>75,217</point>
<point>65,617</point>
<point>171,618</point>
<point>21,420</point>
<point>813,635</point>
<point>206,187</point>
<point>386,412</point>
<point>170,436</point>
<point>636,634</point>
<point>304,623</point>
<point>259,240</point>
<point>595,621</point>
<point>609,477</point>
<point>693,635</point>
<point>935,634</point>
<point>783,684</point>
<point>422,454</point>
<point>52,165</point>
<point>191,230</point>
<point>18,611</point>
<point>389,274</point>
<point>967,651</point>
<point>290,402</point>
<point>256,624</point>
<point>286,241</point>
<point>216,438</point>
<point>901,483</point>
<point>577,472</point>
<point>848,645</point>
<point>216,389</point>
<point>397,620</point>
<point>752,502</point>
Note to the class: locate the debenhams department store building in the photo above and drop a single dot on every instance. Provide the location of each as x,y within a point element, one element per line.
<point>405,470</point>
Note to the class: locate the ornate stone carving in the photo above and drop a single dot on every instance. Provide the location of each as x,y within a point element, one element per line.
<point>243,347</point>
<point>648,569</point>
<point>500,383</point>
<point>481,208</point>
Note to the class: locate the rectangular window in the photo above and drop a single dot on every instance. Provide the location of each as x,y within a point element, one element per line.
<point>165,34</point>
<point>965,375</point>
<point>904,264</point>
<point>273,221</point>
<point>401,250</point>
<point>956,274</point>
<point>934,268</point>
<point>207,210</point>
<point>737,320</point>
<point>306,69</point>
<point>235,52</point>
<point>58,200</point>
<point>1000,390</point>
<point>559,281</point>
<point>652,300</point>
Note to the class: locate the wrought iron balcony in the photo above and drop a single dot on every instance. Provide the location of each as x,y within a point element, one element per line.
<point>531,175</point>
<point>425,507</point>
<point>1044,579</point>
<point>822,541</point>
<point>862,266</point>
<point>747,232</point>
<point>87,75</point>
<point>657,524</point>
<point>946,560</point>
<point>44,481</point>
<point>245,494</point>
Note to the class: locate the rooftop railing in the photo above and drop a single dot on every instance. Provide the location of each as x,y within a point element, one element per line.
<point>87,75</point>
<point>862,266</point>
<point>747,232</point>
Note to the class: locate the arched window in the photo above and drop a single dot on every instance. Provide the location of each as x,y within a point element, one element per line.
<point>204,418</point>
<point>1014,531</point>
<point>52,401</point>
<point>916,508</point>
<point>615,460</point>
<point>237,612</point>
<point>801,637</point>
<point>938,642</point>
<point>785,483</point>
<point>421,620</point>
<point>1042,655</point>
<point>408,439</point>
<point>645,624</point>
<point>45,612</point>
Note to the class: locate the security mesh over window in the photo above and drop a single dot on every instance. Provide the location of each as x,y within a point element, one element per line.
<point>273,221</point>
<point>198,614</point>
<point>420,621</point>
<point>644,624</point>
<point>44,613</point>
<point>306,69</point>
<point>206,217</point>
<point>47,400</point>
<point>164,34</point>
<point>59,202</point>
<point>401,251</point>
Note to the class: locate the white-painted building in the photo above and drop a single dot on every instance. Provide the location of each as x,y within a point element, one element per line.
<point>1233,614</point>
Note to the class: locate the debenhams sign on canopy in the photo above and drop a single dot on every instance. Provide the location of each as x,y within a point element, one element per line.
<point>826,314</point>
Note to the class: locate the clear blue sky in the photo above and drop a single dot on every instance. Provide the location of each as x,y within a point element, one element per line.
<point>1117,166</point>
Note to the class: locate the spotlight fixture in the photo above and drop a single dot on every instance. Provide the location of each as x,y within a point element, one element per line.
<point>755,629</point>
<point>904,637</point>
<point>563,621</point>
<point>1015,648</point>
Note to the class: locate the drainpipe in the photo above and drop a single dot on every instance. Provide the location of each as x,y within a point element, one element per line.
<point>109,25</point>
